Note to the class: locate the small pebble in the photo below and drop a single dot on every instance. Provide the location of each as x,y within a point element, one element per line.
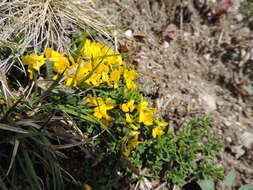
<point>220,132</point>
<point>207,56</point>
<point>129,33</point>
<point>239,17</point>
<point>238,150</point>
<point>243,52</point>
<point>229,139</point>
<point>227,123</point>
<point>166,45</point>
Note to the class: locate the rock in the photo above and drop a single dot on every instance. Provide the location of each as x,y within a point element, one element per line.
<point>229,139</point>
<point>239,17</point>
<point>219,132</point>
<point>209,102</point>
<point>246,139</point>
<point>166,45</point>
<point>227,123</point>
<point>245,31</point>
<point>129,33</point>
<point>238,151</point>
<point>207,56</point>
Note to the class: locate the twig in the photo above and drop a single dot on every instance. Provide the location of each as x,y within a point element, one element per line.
<point>161,186</point>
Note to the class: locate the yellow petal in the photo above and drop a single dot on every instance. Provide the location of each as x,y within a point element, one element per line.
<point>128,118</point>
<point>134,133</point>
<point>124,108</point>
<point>157,131</point>
<point>134,127</point>
<point>87,187</point>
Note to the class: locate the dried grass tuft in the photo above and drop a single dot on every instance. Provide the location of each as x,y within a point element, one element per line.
<point>37,24</point>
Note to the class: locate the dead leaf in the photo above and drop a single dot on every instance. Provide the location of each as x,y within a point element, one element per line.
<point>140,35</point>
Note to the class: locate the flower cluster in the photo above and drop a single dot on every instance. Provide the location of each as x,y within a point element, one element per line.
<point>137,117</point>
<point>96,65</point>
<point>105,65</point>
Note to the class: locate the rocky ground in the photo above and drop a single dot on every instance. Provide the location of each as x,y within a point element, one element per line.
<point>195,57</point>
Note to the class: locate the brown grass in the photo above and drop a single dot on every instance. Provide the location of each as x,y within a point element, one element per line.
<point>37,24</point>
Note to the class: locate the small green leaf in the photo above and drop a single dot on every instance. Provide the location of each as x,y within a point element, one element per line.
<point>247,187</point>
<point>206,184</point>
<point>230,178</point>
<point>49,69</point>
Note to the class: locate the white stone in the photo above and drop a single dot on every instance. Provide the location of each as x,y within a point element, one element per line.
<point>210,102</point>
<point>166,45</point>
<point>227,123</point>
<point>220,132</point>
<point>238,150</point>
<point>129,33</point>
<point>207,56</point>
<point>247,139</point>
<point>229,139</point>
<point>239,17</point>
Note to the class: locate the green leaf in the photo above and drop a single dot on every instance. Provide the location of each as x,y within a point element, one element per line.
<point>49,69</point>
<point>13,129</point>
<point>206,184</point>
<point>247,187</point>
<point>229,180</point>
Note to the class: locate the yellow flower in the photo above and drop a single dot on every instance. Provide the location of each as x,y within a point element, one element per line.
<point>96,53</point>
<point>87,187</point>
<point>132,144</point>
<point>34,62</point>
<point>145,114</point>
<point>99,76</point>
<point>161,124</point>
<point>126,152</point>
<point>134,127</point>
<point>134,133</point>
<point>142,105</point>
<point>100,111</point>
<point>130,84</point>
<point>113,60</point>
<point>115,77</point>
<point>128,118</point>
<point>94,101</point>
<point>91,49</point>
<point>157,131</point>
<point>105,77</point>
<point>100,52</point>
<point>128,107</point>
<point>129,77</point>
<point>69,81</point>
<point>60,62</point>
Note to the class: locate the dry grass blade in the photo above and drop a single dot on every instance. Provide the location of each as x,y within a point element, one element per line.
<point>14,153</point>
<point>28,124</point>
<point>4,89</point>
<point>68,145</point>
<point>13,129</point>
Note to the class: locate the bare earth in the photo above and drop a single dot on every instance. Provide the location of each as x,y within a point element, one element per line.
<point>193,65</point>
